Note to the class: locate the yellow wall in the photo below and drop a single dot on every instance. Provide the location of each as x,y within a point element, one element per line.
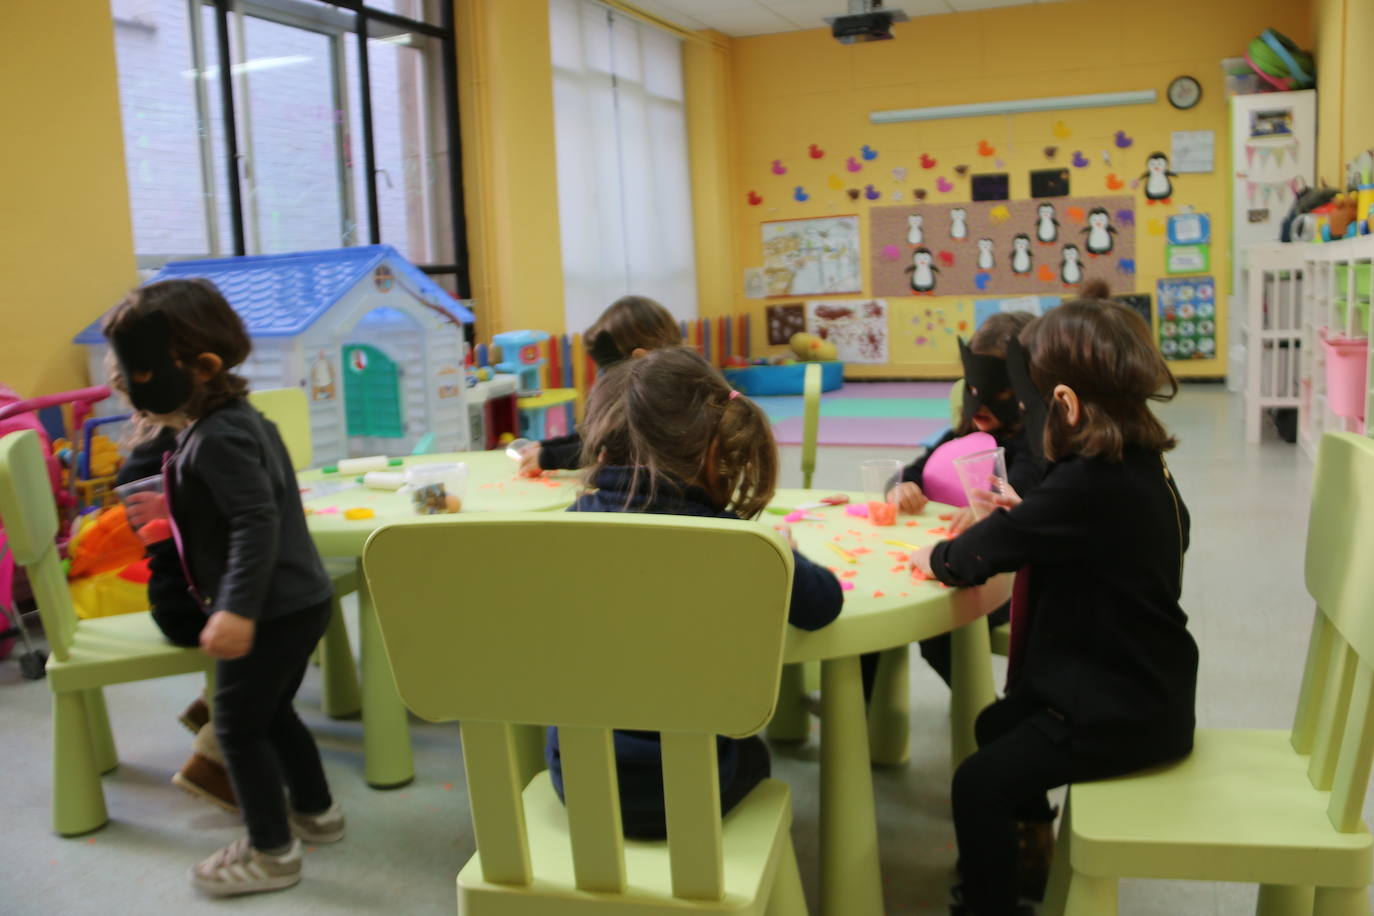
<point>1343,31</point>
<point>794,89</point>
<point>706,74</point>
<point>66,243</point>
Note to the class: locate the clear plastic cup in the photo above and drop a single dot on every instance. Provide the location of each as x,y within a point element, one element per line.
<point>437,488</point>
<point>516,446</point>
<point>982,473</point>
<point>145,505</point>
<point>878,476</point>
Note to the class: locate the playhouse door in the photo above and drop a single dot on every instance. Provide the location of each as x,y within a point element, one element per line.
<point>372,393</point>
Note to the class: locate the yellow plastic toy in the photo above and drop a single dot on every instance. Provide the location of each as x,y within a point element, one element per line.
<point>810,348</point>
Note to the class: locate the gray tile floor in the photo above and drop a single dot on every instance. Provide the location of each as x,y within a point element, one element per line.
<point>1243,590</point>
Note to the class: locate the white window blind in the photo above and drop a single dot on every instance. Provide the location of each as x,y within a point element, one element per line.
<point>624,186</point>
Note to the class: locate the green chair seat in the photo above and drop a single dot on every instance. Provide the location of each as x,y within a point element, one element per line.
<point>120,649</point>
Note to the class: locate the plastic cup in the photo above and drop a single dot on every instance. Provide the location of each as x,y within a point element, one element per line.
<point>982,473</point>
<point>877,476</point>
<point>145,506</point>
<point>516,446</point>
<point>437,488</point>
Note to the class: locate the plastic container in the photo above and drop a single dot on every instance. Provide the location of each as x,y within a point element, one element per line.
<point>877,475</point>
<point>1347,376</point>
<point>437,488</point>
<point>982,473</point>
<point>145,506</point>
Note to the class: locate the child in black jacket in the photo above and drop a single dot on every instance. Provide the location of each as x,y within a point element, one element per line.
<point>666,434</point>
<point>1102,669</point>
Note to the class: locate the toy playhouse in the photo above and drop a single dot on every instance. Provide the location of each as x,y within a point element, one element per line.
<point>376,344</point>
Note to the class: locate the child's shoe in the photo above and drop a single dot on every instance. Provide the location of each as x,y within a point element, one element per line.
<point>240,869</point>
<point>325,827</point>
<point>205,775</point>
<point>195,716</point>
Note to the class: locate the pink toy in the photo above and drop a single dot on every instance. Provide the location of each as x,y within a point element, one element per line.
<point>858,510</point>
<point>939,481</point>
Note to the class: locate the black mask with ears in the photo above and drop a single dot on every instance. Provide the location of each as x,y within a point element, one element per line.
<point>1035,407</point>
<point>144,346</point>
<point>604,352</point>
<point>985,377</point>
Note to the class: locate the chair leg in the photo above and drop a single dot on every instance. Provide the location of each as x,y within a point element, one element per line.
<point>786,897</point>
<point>388,758</point>
<point>1341,901</point>
<point>78,804</point>
<point>889,712</point>
<point>1284,900</point>
<point>790,722</point>
<point>1089,896</point>
<point>971,690</point>
<point>341,696</point>
<point>102,739</point>
<point>1061,870</point>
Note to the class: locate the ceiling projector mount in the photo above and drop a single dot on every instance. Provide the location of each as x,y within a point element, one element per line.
<point>866,20</point>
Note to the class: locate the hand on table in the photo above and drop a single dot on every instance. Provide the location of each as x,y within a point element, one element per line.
<point>786,532</point>
<point>908,497</point>
<point>963,519</point>
<point>529,461</point>
<point>920,563</point>
<point>227,635</point>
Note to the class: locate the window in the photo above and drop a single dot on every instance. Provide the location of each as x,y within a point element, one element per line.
<point>624,186</point>
<point>335,140</point>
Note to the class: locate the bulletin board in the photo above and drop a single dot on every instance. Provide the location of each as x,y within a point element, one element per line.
<point>971,247</point>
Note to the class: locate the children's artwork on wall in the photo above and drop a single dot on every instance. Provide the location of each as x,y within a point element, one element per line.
<point>983,309</point>
<point>1024,247</point>
<point>755,283</point>
<point>924,332</point>
<point>990,186</point>
<point>1049,183</point>
<point>857,328</point>
<point>1193,150</point>
<point>812,257</point>
<point>1187,318</point>
<point>783,322</point>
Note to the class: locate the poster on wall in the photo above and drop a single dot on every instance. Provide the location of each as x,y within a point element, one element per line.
<point>984,309</point>
<point>812,257</point>
<point>1187,318</point>
<point>1193,150</point>
<point>857,327</point>
<point>1021,247</point>
<point>783,322</point>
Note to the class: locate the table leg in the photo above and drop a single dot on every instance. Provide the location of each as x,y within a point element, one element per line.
<point>850,879</point>
<point>971,690</point>
<point>387,759</point>
<point>889,712</point>
<point>791,722</point>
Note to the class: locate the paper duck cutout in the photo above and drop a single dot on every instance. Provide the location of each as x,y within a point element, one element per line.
<point>1061,130</point>
<point>835,183</point>
<point>1125,217</point>
<point>1155,226</point>
<point>981,281</point>
<point>1047,274</point>
<point>961,170</point>
<point>814,151</point>
<point>927,162</point>
<point>1051,152</point>
<point>1126,266</point>
<point>1080,161</point>
<point>899,173</point>
<point>852,164</point>
<point>868,152</point>
<point>1114,183</point>
<point>1077,214</point>
<point>779,168</point>
<point>985,148</point>
<point>754,199</point>
<point>890,253</point>
<point>853,193</point>
<point>871,192</point>
<point>946,258</point>
<point>1107,158</point>
<point>920,193</point>
<point>800,195</point>
<point>999,213</point>
<point>943,186</point>
<point>1123,141</point>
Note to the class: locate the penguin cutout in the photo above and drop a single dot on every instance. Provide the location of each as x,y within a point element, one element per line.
<point>986,261</point>
<point>1046,226</point>
<point>1099,231</point>
<point>915,234</point>
<point>1158,186</point>
<point>1071,268</point>
<point>958,223</point>
<point>922,272</point>
<point>1020,254</point>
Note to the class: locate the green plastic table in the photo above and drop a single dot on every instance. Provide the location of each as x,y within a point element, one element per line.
<point>492,485</point>
<point>885,609</point>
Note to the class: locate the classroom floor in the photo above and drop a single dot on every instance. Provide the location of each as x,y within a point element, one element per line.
<point>1243,590</point>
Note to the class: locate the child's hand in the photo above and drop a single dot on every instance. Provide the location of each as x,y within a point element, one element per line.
<point>786,532</point>
<point>985,502</point>
<point>963,519</point>
<point>227,635</point>
<point>908,497</point>
<point>920,563</point>
<point>529,461</point>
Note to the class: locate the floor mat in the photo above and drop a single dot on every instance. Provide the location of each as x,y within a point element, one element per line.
<point>867,413</point>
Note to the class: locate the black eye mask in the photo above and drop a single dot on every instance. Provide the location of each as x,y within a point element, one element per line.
<point>145,345</point>
<point>1035,407</point>
<point>604,352</point>
<point>988,375</point>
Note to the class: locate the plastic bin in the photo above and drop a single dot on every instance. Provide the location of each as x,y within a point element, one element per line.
<point>1347,375</point>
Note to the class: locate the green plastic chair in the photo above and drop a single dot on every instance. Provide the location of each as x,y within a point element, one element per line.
<point>84,655</point>
<point>811,420</point>
<point>289,409</point>
<point>692,661</point>
<point>1277,808</point>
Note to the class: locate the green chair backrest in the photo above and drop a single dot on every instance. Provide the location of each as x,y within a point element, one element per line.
<point>289,409</point>
<point>811,420</point>
<point>607,628</point>
<point>1335,718</point>
<point>29,515</point>
<point>956,403</point>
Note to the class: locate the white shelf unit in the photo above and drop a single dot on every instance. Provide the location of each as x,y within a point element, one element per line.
<point>1272,330</point>
<point>1336,302</point>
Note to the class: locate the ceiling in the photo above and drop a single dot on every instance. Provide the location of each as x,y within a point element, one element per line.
<point>739,18</point>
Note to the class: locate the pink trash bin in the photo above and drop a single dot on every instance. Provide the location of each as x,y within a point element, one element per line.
<point>1347,375</point>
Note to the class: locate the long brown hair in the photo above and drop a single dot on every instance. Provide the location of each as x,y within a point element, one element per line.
<point>636,322</point>
<point>1103,351</point>
<point>672,418</point>
<point>201,321</point>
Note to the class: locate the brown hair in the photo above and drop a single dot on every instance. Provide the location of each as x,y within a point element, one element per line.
<point>998,330</point>
<point>200,321</point>
<point>1103,351</point>
<point>674,419</point>
<point>635,322</point>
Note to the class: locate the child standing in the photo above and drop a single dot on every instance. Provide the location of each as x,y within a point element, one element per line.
<point>631,326</point>
<point>665,434</point>
<point>1103,669</point>
<point>244,548</point>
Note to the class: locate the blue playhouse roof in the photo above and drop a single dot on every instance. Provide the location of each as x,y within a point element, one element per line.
<point>281,295</point>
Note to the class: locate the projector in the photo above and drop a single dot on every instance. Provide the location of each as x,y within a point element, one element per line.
<point>865,21</point>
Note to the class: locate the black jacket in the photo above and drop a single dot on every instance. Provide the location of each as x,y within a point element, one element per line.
<point>238,509</point>
<point>1023,473</point>
<point>168,596</point>
<point>561,453</point>
<point>1108,649</point>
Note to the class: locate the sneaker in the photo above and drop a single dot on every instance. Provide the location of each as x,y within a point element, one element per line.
<point>240,869</point>
<point>325,827</point>
<point>208,779</point>
<point>195,716</point>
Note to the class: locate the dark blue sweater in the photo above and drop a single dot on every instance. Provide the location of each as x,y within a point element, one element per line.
<point>816,600</point>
